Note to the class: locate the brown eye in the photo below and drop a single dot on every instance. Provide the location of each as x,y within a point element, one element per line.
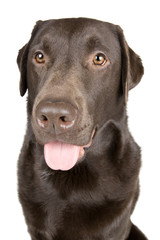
<point>39,57</point>
<point>99,59</point>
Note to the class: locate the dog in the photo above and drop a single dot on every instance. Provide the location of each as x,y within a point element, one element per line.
<point>79,165</point>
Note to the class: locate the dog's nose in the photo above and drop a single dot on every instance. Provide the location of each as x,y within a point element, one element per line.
<point>58,115</point>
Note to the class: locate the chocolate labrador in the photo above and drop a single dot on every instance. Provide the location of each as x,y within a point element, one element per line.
<point>79,165</point>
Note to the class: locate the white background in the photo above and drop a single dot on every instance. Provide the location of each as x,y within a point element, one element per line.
<point>140,20</point>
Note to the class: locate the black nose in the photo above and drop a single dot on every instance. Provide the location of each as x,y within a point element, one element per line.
<point>58,115</point>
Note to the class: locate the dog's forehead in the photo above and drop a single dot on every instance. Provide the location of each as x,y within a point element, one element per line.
<point>77,25</point>
<point>80,29</point>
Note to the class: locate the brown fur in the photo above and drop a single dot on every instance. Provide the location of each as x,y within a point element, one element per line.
<point>94,199</point>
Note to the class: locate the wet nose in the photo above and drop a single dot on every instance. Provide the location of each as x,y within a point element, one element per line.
<point>58,115</point>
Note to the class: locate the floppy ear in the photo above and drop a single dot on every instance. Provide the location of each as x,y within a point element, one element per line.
<point>132,68</point>
<point>22,64</point>
<point>22,60</point>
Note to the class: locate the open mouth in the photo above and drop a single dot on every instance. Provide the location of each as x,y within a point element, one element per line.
<point>64,156</point>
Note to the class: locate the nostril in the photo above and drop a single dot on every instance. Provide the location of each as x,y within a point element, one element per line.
<point>64,122</point>
<point>44,118</point>
<point>43,121</point>
<point>63,119</point>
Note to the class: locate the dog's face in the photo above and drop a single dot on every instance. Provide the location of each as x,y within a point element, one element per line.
<point>78,73</point>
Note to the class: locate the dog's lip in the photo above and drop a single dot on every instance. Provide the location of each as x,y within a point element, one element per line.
<point>90,142</point>
<point>69,139</point>
<point>84,148</point>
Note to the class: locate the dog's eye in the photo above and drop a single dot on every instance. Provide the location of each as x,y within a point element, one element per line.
<point>39,57</point>
<point>99,59</point>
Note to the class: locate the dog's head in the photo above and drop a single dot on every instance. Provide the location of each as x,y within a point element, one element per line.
<point>78,73</point>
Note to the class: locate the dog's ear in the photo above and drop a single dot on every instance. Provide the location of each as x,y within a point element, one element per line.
<point>132,68</point>
<point>22,61</point>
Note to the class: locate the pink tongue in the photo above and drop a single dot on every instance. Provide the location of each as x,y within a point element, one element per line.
<point>61,156</point>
